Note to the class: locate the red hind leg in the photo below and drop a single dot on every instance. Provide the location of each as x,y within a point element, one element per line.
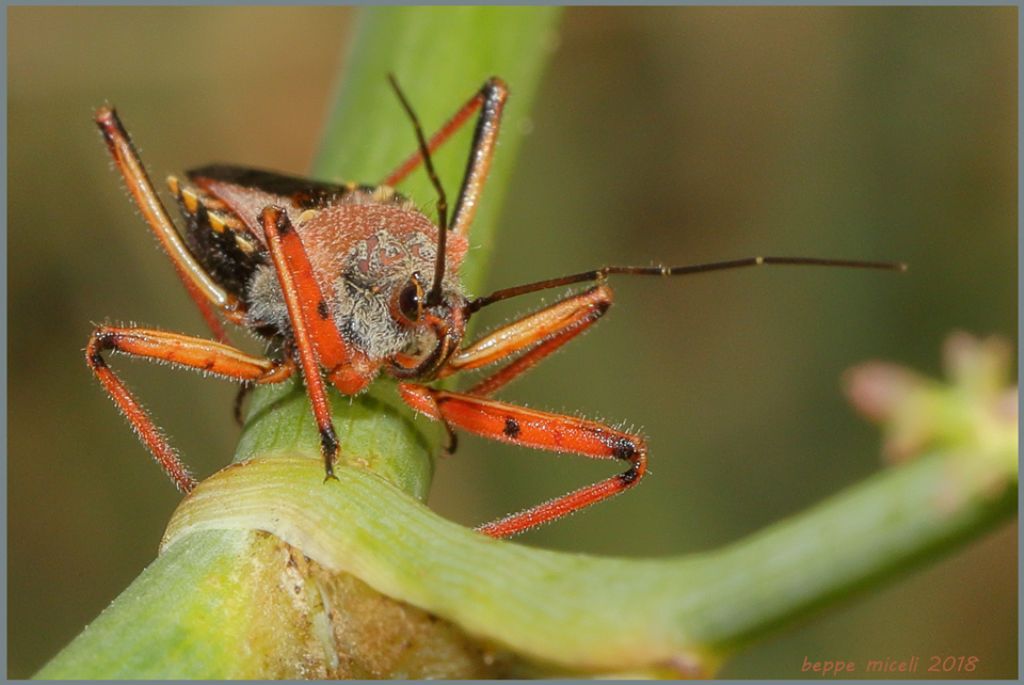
<point>208,296</point>
<point>490,99</point>
<point>540,430</point>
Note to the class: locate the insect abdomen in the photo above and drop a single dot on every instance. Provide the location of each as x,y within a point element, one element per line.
<point>219,241</point>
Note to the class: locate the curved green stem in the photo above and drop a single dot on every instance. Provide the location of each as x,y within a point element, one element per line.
<point>591,613</point>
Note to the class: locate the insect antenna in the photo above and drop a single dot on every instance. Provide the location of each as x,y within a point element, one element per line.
<point>434,296</point>
<point>602,273</point>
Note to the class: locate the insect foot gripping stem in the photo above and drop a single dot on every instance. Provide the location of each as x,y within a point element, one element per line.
<point>539,430</point>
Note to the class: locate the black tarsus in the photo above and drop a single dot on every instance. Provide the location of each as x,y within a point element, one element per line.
<point>329,446</point>
<point>624,449</point>
<point>243,391</point>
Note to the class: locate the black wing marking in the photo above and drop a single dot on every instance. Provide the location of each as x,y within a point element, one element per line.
<point>305,193</point>
<point>220,250</point>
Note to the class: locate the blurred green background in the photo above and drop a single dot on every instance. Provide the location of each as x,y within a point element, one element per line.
<point>675,135</point>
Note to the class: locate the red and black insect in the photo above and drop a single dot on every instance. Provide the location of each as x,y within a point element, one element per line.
<point>349,281</point>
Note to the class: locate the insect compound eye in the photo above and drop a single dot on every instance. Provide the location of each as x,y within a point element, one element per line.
<point>411,299</point>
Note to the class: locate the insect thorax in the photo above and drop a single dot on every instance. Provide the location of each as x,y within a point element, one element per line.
<point>363,255</point>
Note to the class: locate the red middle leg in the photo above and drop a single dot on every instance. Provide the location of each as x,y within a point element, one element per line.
<point>526,342</point>
<point>180,350</point>
<point>539,430</point>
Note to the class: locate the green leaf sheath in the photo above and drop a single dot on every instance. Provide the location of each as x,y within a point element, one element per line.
<point>180,617</point>
<point>376,431</point>
<point>236,604</point>
<point>566,612</point>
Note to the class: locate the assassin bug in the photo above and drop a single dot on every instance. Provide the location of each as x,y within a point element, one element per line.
<point>351,281</point>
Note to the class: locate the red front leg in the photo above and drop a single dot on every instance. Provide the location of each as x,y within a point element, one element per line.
<point>540,430</point>
<point>317,340</point>
<point>533,337</point>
